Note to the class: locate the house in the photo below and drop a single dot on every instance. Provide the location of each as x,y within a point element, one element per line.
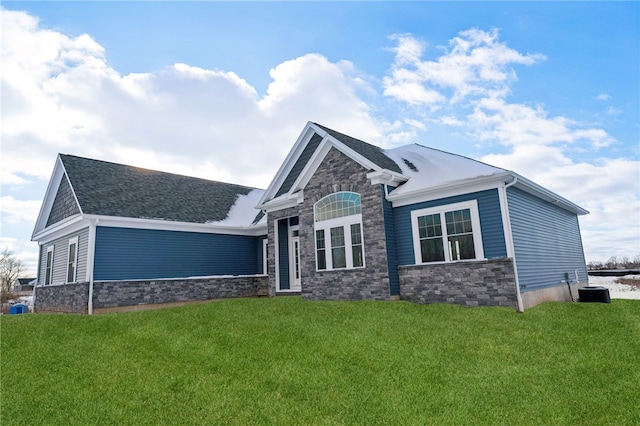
<point>112,235</point>
<point>342,219</point>
<point>23,284</point>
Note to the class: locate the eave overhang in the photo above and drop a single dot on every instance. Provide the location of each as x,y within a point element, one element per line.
<point>78,222</point>
<point>482,183</point>
<point>544,194</point>
<point>386,177</point>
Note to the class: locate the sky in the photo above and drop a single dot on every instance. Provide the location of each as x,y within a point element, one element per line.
<point>221,90</point>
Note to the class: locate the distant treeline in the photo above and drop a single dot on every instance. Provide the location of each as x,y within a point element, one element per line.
<point>615,263</point>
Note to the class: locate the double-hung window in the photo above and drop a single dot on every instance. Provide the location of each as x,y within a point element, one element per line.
<point>447,233</point>
<point>72,260</point>
<point>48,270</point>
<point>338,231</point>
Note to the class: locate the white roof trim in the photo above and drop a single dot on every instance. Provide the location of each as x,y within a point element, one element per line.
<point>59,229</point>
<point>328,141</point>
<point>452,189</point>
<point>57,175</point>
<point>386,177</point>
<point>477,184</point>
<point>283,201</point>
<point>166,225</point>
<point>81,221</point>
<point>544,194</point>
<point>288,163</point>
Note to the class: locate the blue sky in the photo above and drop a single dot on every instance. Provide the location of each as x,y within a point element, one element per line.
<point>547,89</point>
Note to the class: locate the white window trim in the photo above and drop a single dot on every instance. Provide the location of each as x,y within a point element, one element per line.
<point>265,263</point>
<point>475,224</point>
<point>344,222</point>
<point>73,240</point>
<point>48,274</point>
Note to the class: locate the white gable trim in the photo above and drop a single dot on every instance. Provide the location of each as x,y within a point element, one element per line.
<point>321,152</point>
<point>282,173</point>
<point>57,175</point>
<point>378,175</point>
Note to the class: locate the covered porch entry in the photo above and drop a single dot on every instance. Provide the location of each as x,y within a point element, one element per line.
<point>287,255</point>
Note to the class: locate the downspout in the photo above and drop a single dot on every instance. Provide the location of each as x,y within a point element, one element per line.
<point>520,305</point>
<point>91,263</point>
<point>35,285</point>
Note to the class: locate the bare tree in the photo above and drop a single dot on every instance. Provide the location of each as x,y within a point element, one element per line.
<point>612,263</point>
<point>10,269</point>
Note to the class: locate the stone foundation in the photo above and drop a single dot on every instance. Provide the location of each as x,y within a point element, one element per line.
<point>481,283</point>
<point>73,298</point>
<point>70,298</point>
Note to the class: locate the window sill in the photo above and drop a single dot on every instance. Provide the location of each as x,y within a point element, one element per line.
<point>449,262</point>
<point>359,268</point>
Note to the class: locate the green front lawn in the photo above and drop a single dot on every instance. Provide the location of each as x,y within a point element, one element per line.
<point>288,361</point>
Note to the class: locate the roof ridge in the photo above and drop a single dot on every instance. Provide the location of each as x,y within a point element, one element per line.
<point>129,166</point>
<point>448,153</point>
<point>348,136</point>
<point>372,152</point>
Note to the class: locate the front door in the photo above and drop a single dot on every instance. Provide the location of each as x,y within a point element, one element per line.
<point>294,261</point>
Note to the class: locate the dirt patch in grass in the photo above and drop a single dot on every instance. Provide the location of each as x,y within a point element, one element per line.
<point>635,282</point>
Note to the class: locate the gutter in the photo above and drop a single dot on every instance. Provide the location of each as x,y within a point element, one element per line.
<point>461,183</point>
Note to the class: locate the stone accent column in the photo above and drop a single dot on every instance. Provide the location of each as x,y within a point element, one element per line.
<point>340,173</point>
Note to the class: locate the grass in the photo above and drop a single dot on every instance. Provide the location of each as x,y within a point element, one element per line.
<point>287,361</point>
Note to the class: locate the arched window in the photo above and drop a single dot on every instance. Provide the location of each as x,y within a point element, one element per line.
<point>338,230</point>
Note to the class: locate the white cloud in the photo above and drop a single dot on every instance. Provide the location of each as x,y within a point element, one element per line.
<point>474,64</point>
<point>613,111</point>
<point>16,211</point>
<point>62,96</point>
<point>515,124</point>
<point>474,78</point>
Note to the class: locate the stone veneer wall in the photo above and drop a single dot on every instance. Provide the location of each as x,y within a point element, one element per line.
<point>340,173</point>
<point>481,283</point>
<point>73,298</point>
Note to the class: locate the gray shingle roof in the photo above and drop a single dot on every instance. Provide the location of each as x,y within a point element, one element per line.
<point>370,152</point>
<point>111,189</point>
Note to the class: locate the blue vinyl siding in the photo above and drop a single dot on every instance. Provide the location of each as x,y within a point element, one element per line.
<point>125,253</point>
<point>259,255</point>
<point>490,224</point>
<point>390,237</point>
<point>283,253</point>
<point>546,240</point>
